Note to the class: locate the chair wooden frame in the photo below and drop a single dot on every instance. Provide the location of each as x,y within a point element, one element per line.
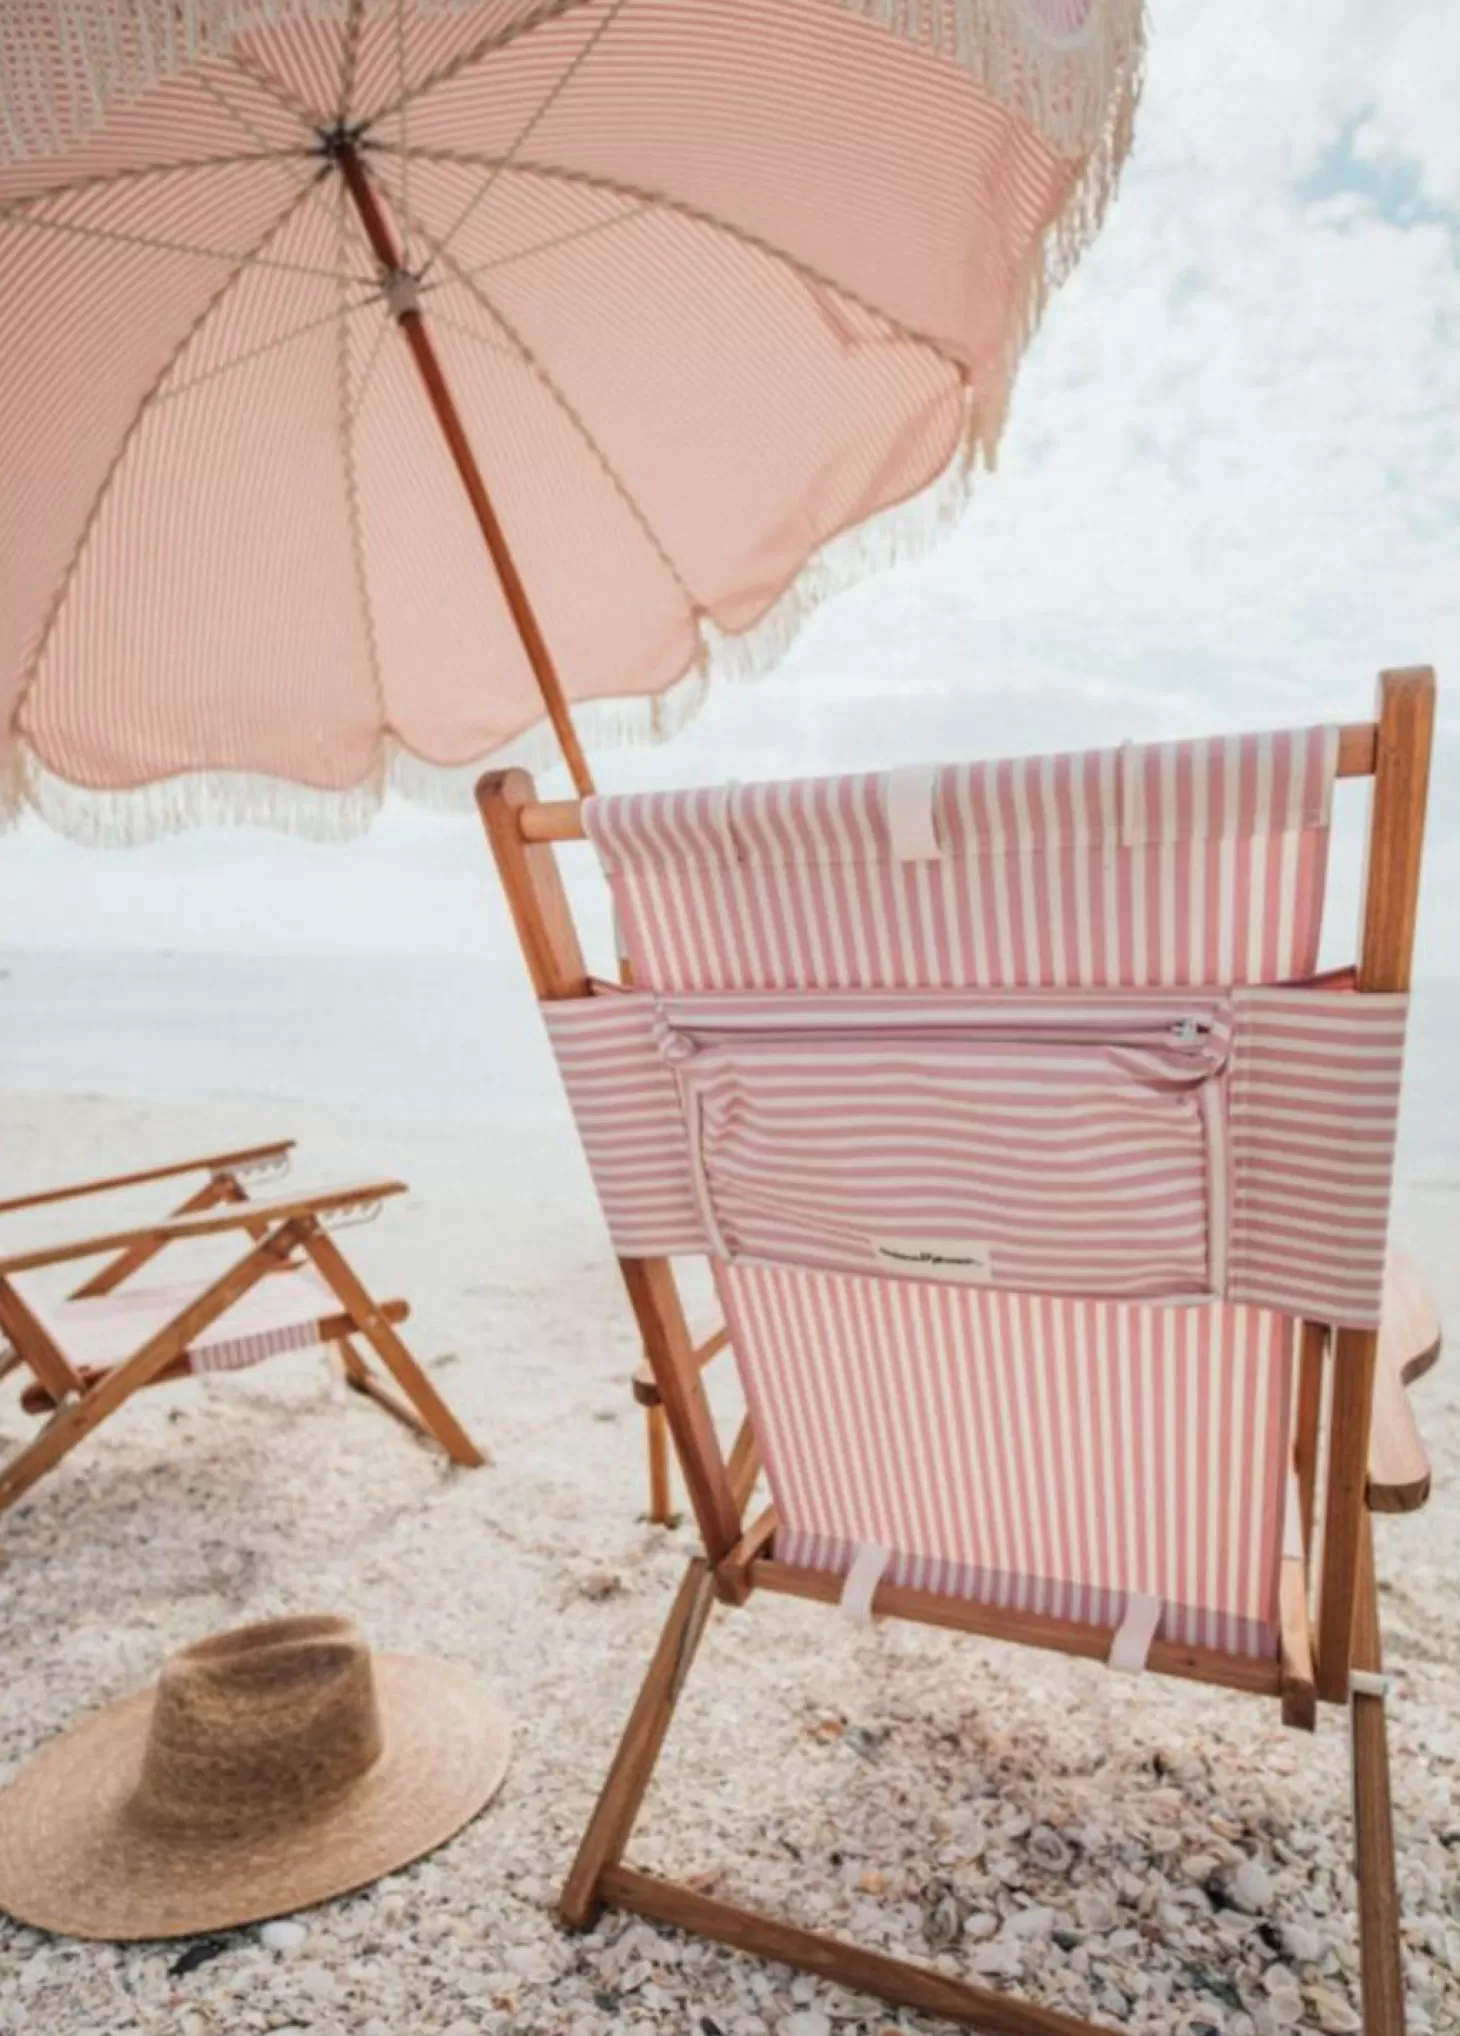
<point>1373,1462</point>
<point>282,1232</point>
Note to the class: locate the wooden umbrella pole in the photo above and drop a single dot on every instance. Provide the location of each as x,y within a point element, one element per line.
<point>438,394</point>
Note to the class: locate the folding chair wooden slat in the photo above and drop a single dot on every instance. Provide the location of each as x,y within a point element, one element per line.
<point>1353,1445</point>
<point>157,1334</point>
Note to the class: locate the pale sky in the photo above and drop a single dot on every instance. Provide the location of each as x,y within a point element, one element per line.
<point>1228,494</point>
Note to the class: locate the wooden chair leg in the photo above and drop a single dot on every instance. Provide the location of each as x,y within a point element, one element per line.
<point>360,1379</point>
<point>639,1748</point>
<point>1380,1956</point>
<point>869,1972</point>
<point>661,1497</point>
<point>371,1323</point>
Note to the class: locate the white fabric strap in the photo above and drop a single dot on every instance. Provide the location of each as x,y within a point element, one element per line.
<point>908,795</point>
<point>862,1580</point>
<point>1132,795</point>
<point>1366,1682</point>
<point>1132,1642</point>
<point>1292,1522</point>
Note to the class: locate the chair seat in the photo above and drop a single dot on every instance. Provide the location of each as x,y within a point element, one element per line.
<point>282,1312</point>
<point>1038,1455</point>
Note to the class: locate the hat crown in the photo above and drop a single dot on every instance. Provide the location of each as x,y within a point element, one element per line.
<point>257,1724</point>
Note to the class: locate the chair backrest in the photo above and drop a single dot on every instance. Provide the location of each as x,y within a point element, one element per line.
<point>1177,863</point>
<point>1002,1103</point>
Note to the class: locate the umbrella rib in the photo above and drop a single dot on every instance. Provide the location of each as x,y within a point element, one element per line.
<point>275,89</point>
<point>557,240</point>
<point>240,119</point>
<point>658,201</point>
<point>535,118</point>
<point>377,348</point>
<point>254,353</point>
<point>405,132</point>
<point>449,324</point>
<point>550,10</point>
<point>560,398</point>
<point>220,296</point>
<point>349,61</point>
<point>216,91</point>
<point>346,414</point>
<point>101,179</point>
<point>245,260</point>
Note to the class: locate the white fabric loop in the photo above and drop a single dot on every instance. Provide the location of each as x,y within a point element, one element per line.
<point>1132,1643</point>
<point>908,800</point>
<point>1367,1682</point>
<point>862,1580</point>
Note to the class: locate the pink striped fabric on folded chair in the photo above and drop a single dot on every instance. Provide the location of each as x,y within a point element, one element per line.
<point>962,1078</point>
<point>282,1312</point>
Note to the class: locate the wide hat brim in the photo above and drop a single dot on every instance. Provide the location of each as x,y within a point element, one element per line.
<point>75,1861</point>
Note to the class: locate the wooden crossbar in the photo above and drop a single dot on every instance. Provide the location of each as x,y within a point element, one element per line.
<point>1256,1675</point>
<point>216,1162</point>
<point>247,1216</point>
<point>552,820</point>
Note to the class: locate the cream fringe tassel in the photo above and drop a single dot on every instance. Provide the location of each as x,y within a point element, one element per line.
<point>127,818</point>
<point>63,63</point>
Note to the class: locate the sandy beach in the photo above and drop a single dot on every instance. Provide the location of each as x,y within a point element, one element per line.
<point>1021,1817</point>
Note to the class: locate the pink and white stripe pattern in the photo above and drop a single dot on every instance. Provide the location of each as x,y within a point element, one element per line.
<point>1178,863</point>
<point>1314,1117</point>
<point>626,1105</point>
<point>1051,1144</point>
<point>1056,1452</point>
<point>711,285</point>
<point>1136,1144</point>
<point>1022,1451</point>
<point>282,1312</point>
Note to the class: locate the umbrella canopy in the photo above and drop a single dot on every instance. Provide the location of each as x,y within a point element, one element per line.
<point>379,378</point>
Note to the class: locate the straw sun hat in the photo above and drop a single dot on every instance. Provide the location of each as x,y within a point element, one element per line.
<point>271,1767</point>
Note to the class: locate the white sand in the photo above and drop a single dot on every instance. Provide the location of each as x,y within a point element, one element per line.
<point>901,1784</point>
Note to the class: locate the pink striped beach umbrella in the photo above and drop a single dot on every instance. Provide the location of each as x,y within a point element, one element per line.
<point>386,380</point>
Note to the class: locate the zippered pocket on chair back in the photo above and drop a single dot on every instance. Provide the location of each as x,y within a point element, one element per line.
<point>1053,1147</point>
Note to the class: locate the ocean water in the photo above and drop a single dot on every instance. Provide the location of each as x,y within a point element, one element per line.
<point>422,1039</point>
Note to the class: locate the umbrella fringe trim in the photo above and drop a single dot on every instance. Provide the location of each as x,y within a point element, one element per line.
<point>103,817</point>
<point>64,64</point>
<point>1064,83</point>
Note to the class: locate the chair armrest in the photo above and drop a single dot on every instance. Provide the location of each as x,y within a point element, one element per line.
<point>1409,1343</point>
<point>206,1223</point>
<point>215,1162</point>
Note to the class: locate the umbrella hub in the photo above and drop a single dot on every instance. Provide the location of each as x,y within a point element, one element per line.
<point>401,289</point>
<point>342,140</point>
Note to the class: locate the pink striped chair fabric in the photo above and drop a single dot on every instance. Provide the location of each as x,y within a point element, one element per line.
<point>1015,1144</point>
<point>282,1312</point>
<point>1135,1144</point>
<point>1044,1455</point>
<point>1179,863</point>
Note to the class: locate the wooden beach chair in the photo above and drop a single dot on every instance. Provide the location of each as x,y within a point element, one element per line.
<point>86,1354</point>
<point>1046,1193</point>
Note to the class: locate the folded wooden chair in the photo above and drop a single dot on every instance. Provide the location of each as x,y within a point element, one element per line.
<point>87,1353</point>
<point>1046,1191</point>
